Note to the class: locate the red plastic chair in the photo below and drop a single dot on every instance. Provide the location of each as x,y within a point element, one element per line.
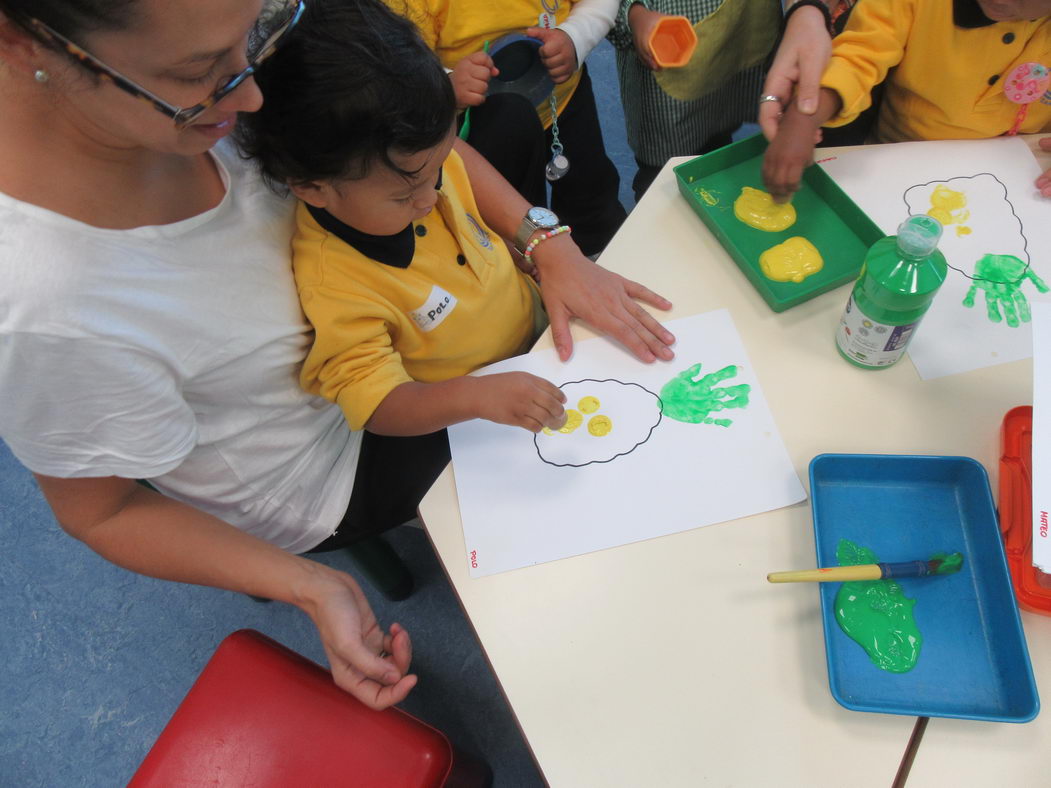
<point>262,715</point>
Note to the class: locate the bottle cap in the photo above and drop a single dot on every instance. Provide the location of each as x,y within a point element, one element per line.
<point>918,235</point>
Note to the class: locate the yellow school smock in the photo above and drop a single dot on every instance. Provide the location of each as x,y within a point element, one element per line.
<point>951,64</point>
<point>458,304</point>
<point>455,29</point>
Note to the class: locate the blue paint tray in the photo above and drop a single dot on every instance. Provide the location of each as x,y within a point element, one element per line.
<point>974,663</point>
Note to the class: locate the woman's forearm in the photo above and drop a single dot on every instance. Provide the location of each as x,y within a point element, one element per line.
<point>154,535</point>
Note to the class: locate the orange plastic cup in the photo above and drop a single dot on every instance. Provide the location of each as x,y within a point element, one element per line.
<point>672,41</point>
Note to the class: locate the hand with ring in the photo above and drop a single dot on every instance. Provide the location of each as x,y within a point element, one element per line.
<point>797,68</point>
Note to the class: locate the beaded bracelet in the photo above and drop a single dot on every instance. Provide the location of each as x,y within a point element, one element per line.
<point>818,4</point>
<point>528,253</point>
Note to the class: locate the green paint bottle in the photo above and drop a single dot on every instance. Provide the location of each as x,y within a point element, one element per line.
<point>892,293</point>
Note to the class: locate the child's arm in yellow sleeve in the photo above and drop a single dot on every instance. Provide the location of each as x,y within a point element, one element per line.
<point>873,42</point>
<point>514,398</point>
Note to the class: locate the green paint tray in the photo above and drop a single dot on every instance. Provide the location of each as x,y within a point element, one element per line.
<point>825,216</point>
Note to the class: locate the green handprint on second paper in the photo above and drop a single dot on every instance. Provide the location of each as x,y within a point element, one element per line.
<point>1001,277</point>
<point>692,401</point>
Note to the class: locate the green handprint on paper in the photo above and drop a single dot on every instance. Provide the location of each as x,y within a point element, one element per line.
<point>692,401</point>
<point>1001,277</point>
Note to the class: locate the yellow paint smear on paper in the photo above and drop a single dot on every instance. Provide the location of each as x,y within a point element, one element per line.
<point>949,206</point>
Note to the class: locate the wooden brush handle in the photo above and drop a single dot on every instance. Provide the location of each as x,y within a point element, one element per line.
<point>831,574</point>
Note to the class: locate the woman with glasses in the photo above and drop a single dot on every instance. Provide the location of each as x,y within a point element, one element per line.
<point>149,324</point>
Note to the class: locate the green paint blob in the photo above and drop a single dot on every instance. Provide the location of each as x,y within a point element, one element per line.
<point>876,614</point>
<point>949,563</point>
<point>1001,277</point>
<point>686,399</point>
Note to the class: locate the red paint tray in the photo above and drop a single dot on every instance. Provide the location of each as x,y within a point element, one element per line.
<point>1032,587</point>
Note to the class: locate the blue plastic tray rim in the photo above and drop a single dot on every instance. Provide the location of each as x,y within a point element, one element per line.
<point>831,629</point>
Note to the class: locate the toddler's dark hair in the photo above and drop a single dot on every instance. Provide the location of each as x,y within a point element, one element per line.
<point>353,82</point>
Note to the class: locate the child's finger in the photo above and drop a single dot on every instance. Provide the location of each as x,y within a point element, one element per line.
<point>647,59</point>
<point>1045,143</point>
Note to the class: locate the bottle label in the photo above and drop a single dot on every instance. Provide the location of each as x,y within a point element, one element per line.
<point>870,343</point>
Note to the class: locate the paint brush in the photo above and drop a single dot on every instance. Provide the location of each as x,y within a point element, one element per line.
<point>940,564</point>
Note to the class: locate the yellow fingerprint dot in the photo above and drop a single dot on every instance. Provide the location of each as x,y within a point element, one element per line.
<point>599,425</point>
<point>589,404</point>
<point>547,431</point>
<point>573,420</point>
<point>963,230</point>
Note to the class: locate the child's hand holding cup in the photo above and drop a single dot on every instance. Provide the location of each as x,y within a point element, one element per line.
<point>470,78</point>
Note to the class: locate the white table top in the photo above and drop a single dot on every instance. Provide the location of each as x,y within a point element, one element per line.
<point>671,662</point>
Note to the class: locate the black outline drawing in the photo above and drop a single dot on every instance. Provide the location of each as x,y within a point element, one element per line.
<point>1021,227</point>
<point>660,417</point>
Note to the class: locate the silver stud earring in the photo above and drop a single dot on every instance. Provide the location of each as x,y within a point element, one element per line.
<point>41,76</point>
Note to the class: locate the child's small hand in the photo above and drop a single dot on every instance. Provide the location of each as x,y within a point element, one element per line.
<point>470,78</point>
<point>642,20</point>
<point>1043,183</point>
<point>558,54</point>
<point>520,400</point>
<point>788,155</point>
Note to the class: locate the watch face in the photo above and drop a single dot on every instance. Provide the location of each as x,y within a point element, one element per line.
<point>542,217</point>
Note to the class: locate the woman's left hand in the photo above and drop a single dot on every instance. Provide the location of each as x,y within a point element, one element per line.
<point>573,286</point>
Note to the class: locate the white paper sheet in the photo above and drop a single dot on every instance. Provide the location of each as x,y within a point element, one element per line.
<point>1041,480</point>
<point>528,499</point>
<point>1004,215</point>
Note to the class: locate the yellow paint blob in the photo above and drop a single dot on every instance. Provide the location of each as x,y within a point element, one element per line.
<point>599,425</point>
<point>961,230</point>
<point>573,420</point>
<point>588,404</point>
<point>791,261</point>
<point>949,206</point>
<point>757,209</point>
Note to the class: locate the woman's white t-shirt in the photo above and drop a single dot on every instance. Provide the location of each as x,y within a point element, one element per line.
<point>172,353</point>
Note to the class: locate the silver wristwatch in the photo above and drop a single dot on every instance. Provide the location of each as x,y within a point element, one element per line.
<point>536,218</point>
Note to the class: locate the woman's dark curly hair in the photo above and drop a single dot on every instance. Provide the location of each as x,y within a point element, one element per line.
<point>353,82</point>
<point>72,17</point>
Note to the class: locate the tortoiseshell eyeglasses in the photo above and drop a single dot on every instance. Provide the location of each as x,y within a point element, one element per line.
<point>270,30</point>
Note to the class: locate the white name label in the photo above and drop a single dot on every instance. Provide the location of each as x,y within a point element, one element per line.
<point>434,310</point>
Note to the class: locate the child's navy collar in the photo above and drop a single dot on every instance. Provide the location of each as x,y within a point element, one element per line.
<point>968,14</point>
<point>394,250</point>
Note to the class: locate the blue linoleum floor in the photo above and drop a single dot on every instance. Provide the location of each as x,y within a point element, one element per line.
<point>95,659</point>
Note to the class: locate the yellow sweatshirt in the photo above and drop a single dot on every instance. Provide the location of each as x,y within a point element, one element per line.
<point>458,304</point>
<point>948,72</point>
<point>455,29</point>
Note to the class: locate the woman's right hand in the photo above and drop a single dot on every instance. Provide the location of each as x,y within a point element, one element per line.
<point>797,68</point>
<point>470,78</point>
<point>370,664</point>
